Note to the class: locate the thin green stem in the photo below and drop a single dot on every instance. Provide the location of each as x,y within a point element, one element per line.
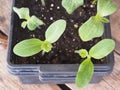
<point>88,57</point>
<point>94,1</point>
<point>28,18</point>
<point>77,51</point>
<point>43,53</point>
<point>43,2</point>
<point>98,17</point>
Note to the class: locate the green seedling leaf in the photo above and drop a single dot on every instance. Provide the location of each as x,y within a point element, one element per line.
<point>86,69</point>
<point>71,5</point>
<point>23,13</point>
<point>102,48</point>
<point>91,29</point>
<point>106,7</point>
<point>83,53</point>
<point>55,30</point>
<point>24,24</point>
<point>33,23</point>
<point>28,47</point>
<point>46,46</point>
<point>43,2</point>
<point>85,73</point>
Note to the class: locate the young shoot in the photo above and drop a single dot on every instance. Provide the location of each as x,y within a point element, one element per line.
<point>43,2</point>
<point>94,27</point>
<point>33,46</point>
<point>86,68</point>
<point>71,5</point>
<point>31,22</point>
<point>94,1</point>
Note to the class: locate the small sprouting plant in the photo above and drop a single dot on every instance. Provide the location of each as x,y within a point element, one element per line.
<point>31,22</point>
<point>94,26</point>
<point>86,68</point>
<point>71,5</point>
<point>33,46</point>
<point>43,2</point>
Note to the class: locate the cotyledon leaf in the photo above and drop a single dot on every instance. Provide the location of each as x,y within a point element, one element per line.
<point>23,12</point>
<point>91,29</point>
<point>106,7</point>
<point>102,48</point>
<point>34,22</point>
<point>55,30</point>
<point>85,73</point>
<point>28,47</point>
<point>71,5</point>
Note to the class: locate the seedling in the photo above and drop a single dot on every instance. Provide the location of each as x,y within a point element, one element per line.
<point>43,2</point>
<point>31,22</point>
<point>86,68</point>
<point>94,26</point>
<point>33,46</point>
<point>71,5</point>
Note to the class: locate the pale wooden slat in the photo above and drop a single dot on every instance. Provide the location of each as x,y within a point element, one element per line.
<point>5,9</point>
<point>115,26</point>
<point>3,40</point>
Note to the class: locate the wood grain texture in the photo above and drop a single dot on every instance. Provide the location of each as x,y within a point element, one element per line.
<point>10,82</point>
<point>3,40</point>
<point>5,9</point>
<point>115,26</point>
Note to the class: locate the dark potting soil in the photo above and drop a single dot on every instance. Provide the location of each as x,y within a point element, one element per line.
<point>63,50</point>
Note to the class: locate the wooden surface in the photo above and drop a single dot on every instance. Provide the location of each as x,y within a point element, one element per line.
<point>5,9</point>
<point>10,82</point>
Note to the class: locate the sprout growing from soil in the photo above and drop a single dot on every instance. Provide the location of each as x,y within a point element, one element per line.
<point>94,27</point>
<point>31,22</point>
<point>94,1</point>
<point>33,46</point>
<point>43,2</point>
<point>86,68</point>
<point>71,5</point>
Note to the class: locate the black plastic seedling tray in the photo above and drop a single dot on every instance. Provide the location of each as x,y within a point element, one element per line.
<point>35,79</point>
<point>55,73</point>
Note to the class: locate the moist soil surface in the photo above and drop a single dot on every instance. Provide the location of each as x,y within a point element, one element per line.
<point>63,50</point>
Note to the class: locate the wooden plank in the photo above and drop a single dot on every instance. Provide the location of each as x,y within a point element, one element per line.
<point>115,26</point>
<point>5,9</point>
<point>3,40</point>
